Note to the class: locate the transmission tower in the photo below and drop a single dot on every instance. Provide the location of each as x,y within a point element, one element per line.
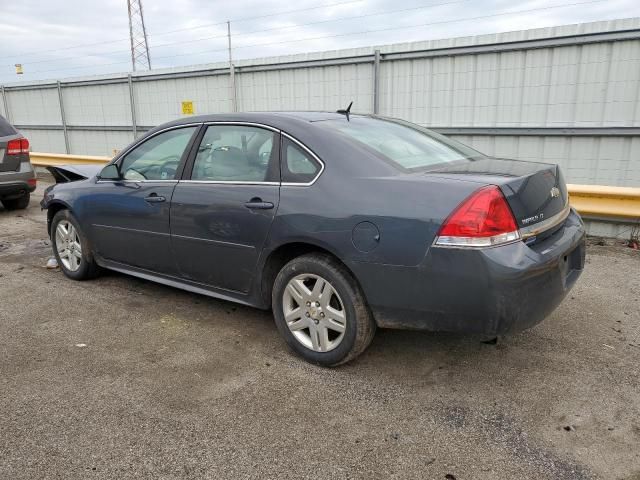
<point>138,33</point>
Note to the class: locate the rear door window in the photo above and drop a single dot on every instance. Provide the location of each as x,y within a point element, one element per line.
<point>236,153</point>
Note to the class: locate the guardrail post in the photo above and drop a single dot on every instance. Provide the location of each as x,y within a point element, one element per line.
<point>63,118</point>
<point>6,105</point>
<point>132,100</point>
<point>376,82</point>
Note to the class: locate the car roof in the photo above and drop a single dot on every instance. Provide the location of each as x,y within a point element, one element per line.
<point>280,120</point>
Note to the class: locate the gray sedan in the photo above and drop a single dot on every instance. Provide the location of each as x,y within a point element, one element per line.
<point>339,223</point>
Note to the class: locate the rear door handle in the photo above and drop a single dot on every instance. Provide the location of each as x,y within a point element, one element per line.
<point>154,198</point>
<point>258,204</point>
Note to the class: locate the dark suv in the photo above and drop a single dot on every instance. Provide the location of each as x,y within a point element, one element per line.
<point>17,177</point>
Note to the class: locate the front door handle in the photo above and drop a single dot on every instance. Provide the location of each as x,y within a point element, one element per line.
<point>257,204</point>
<point>154,198</point>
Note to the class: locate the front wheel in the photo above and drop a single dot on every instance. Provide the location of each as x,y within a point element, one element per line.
<point>71,247</point>
<point>320,310</point>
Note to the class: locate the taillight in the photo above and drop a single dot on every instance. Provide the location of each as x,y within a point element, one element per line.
<point>482,220</point>
<point>32,182</point>
<point>17,146</point>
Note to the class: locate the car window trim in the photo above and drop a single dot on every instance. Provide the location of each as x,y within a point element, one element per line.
<point>183,159</point>
<point>187,165</point>
<point>230,182</point>
<point>310,152</point>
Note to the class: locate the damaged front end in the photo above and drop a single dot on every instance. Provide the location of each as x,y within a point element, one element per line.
<point>52,199</point>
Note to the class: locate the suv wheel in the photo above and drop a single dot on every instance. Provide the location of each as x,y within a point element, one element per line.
<point>19,203</point>
<point>320,310</point>
<point>71,247</point>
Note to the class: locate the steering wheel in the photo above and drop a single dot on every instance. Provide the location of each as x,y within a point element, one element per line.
<point>169,168</point>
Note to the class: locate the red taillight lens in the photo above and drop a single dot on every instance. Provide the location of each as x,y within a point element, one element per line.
<point>17,146</point>
<point>482,220</point>
<point>32,182</point>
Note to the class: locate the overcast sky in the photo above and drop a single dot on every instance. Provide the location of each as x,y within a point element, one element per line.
<point>65,38</point>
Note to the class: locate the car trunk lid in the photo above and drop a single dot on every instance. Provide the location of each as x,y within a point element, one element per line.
<point>536,192</point>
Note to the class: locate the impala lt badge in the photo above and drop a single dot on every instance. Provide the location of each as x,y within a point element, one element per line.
<point>555,192</point>
<point>535,218</point>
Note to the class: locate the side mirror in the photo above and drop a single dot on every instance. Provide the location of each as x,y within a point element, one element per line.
<point>110,172</point>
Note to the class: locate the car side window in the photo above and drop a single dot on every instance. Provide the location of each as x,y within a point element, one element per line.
<point>298,166</point>
<point>157,158</point>
<point>236,153</point>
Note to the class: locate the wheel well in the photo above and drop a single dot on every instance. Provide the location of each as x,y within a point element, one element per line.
<point>284,254</point>
<point>51,212</point>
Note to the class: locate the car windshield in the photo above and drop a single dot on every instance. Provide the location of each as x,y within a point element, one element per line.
<point>408,146</point>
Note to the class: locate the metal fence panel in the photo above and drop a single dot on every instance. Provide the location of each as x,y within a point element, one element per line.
<point>34,106</point>
<point>45,140</point>
<point>158,101</point>
<point>611,161</point>
<point>320,88</point>
<point>99,142</point>
<point>97,105</point>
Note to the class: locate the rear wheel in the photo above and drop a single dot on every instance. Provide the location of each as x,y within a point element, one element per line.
<point>320,310</point>
<point>71,247</point>
<point>19,203</point>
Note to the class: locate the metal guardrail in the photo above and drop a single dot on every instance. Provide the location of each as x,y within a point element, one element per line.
<point>606,203</point>
<point>57,159</point>
<point>592,201</point>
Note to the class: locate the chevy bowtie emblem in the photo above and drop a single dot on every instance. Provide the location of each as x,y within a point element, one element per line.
<point>555,192</point>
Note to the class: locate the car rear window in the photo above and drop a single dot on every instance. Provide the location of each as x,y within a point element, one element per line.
<point>5,128</point>
<point>406,145</point>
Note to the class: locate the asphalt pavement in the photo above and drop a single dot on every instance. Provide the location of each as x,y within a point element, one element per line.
<point>123,378</point>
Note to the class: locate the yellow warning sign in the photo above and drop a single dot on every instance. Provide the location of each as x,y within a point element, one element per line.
<point>187,107</point>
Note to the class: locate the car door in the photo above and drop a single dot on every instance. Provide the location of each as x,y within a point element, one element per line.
<point>130,216</point>
<point>222,211</point>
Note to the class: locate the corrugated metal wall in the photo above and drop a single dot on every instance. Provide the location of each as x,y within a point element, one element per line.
<point>594,85</point>
<point>567,95</point>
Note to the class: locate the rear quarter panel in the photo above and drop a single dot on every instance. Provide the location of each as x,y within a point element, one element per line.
<point>407,211</point>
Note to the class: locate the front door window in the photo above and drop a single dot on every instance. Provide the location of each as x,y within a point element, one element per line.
<point>157,158</point>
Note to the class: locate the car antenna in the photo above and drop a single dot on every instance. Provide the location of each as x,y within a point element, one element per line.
<point>346,111</point>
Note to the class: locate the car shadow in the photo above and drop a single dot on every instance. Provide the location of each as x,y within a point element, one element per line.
<point>399,354</point>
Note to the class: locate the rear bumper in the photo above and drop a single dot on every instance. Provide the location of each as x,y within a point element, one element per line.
<point>15,189</point>
<point>492,291</point>
<point>15,184</point>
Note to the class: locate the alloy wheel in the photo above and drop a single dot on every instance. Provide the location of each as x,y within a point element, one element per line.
<point>314,312</point>
<point>68,245</point>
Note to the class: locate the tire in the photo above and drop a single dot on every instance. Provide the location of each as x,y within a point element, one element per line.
<point>307,324</point>
<point>85,266</point>
<point>19,203</point>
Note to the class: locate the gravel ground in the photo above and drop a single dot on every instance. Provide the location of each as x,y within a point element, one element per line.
<point>119,378</point>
